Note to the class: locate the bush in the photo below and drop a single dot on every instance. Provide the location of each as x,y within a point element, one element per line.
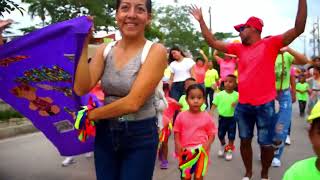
<point>7,114</point>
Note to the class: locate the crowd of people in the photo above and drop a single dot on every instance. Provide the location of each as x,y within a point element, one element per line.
<point>253,75</point>
<point>139,114</point>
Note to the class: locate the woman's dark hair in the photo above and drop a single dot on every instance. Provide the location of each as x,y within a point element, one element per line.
<point>199,58</point>
<point>175,48</point>
<point>195,86</point>
<point>148,4</point>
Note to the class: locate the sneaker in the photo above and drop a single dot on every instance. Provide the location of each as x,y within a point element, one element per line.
<point>246,178</point>
<point>276,162</point>
<point>164,164</point>
<point>221,151</point>
<point>288,141</point>
<point>67,161</point>
<point>228,156</point>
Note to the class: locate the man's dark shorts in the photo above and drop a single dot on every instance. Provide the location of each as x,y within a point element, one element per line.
<point>263,115</point>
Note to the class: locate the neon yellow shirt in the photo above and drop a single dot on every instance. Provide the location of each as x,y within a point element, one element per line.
<point>302,87</point>
<point>223,101</point>
<point>211,77</point>
<point>185,105</point>
<point>288,60</point>
<point>303,170</point>
<point>167,72</point>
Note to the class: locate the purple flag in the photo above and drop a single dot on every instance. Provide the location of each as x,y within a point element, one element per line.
<point>36,77</point>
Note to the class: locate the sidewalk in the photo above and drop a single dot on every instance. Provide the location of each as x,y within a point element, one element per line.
<point>14,126</point>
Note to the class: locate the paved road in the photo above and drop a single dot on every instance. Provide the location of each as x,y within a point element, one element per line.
<point>32,157</point>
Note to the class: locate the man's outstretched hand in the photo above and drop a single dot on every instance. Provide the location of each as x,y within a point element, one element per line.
<point>196,12</point>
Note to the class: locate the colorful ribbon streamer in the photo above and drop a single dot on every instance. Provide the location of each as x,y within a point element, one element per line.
<point>83,124</point>
<point>193,161</point>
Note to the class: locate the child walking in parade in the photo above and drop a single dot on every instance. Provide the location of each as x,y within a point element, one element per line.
<point>309,168</point>
<point>225,102</point>
<point>183,99</point>
<point>194,132</point>
<point>302,94</point>
<point>210,82</point>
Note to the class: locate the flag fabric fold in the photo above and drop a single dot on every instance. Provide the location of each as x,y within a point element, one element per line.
<point>37,75</point>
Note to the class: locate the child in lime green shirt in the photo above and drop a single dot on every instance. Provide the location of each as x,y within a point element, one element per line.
<point>183,99</point>
<point>302,94</point>
<point>308,168</point>
<point>210,82</point>
<point>225,102</point>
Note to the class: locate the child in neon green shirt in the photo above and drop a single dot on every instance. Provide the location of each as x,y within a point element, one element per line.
<point>225,102</point>
<point>183,99</point>
<point>210,82</point>
<point>308,168</point>
<point>302,94</point>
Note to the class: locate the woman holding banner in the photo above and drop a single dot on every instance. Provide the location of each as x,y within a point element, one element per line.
<point>130,69</point>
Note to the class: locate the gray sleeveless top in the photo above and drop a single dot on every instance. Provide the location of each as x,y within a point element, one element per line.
<point>117,84</point>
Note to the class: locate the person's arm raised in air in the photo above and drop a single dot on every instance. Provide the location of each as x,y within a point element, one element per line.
<point>299,26</point>
<point>211,40</point>
<point>204,57</point>
<point>88,74</point>
<point>299,59</point>
<point>150,74</point>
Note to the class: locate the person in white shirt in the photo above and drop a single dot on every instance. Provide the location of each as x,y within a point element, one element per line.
<point>181,69</point>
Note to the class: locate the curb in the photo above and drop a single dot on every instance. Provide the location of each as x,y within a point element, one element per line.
<point>12,131</point>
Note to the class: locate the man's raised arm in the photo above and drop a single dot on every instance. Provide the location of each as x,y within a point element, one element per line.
<point>211,40</point>
<point>299,25</point>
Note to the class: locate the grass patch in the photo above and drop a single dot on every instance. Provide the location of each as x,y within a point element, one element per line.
<point>7,114</point>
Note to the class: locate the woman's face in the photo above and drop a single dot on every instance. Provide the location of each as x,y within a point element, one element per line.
<point>199,63</point>
<point>132,17</point>
<point>176,54</point>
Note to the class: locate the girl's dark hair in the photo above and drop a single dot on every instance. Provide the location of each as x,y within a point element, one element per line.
<point>148,4</point>
<point>316,58</point>
<point>195,86</point>
<point>232,76</point>
<point>317,68</point>
<point>315,124</point>
<point>175,48</point>
<point>189,79</point>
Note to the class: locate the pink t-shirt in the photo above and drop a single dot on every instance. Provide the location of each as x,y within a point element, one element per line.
<point>200,73</point>
<point>256,69</point>
<point>194,129</point>
<point>227,66</point>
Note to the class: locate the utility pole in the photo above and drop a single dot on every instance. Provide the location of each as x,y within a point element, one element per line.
<point>210,28</point>
<point>313,32</point>
<point>303,37</point>
<point>318,39</point>
<point>315,38</point>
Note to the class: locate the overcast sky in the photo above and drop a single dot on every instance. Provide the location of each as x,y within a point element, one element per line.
<point>278,15</point>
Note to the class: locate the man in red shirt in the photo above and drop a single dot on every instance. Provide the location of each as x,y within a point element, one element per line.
<point>256,81</point>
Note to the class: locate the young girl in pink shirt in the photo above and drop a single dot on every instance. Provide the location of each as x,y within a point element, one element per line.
<point>194,132</point>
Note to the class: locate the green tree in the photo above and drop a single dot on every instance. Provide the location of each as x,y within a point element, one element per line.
<point>174,22</point>
<point>41,8</point>
<point>61,10</point>
<point>9,6</point>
